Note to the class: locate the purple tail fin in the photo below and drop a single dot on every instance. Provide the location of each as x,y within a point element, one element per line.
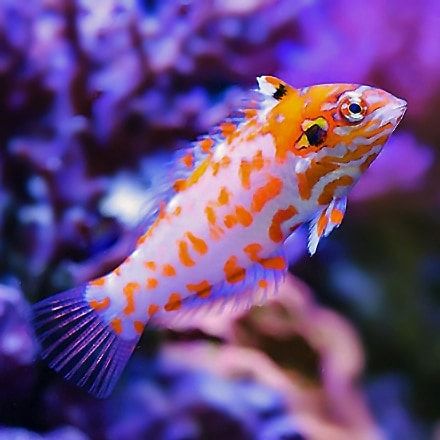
<point>77,343</point>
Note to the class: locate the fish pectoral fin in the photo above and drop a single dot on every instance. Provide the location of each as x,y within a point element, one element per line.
<point>325,221</point>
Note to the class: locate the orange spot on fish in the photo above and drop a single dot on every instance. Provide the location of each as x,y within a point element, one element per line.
<point>252,250</point>
<point>150,265</point>
<point>266,193</point>
<point>322,224</point>
<point>206,145</point>
<point>250,113</point>
<point>174,302</point>
<point>129,290</point>
<point>243,216</point>
<point>329,190</point>
<point>138,327</point>
<point>210,215</point>
<point>179,185</point>
<point>177,211</point>
<point>152,283</point>
<point>230,221</point>
<point>188,160</point>
<point>263,284</point>
<point>336,216</point>
<point>152,310</point>
<point>168,270</point>
<point>233,272</point>
<point>202,289</point>
<point>245,173</point>
<point>223,197</point>
<point>184,256</point>
<point>98,282</point>
<point>276,263</point>
<point>198,244</point>
<point>116,325</point>
<point>282,215</point>
<point>100,305</point>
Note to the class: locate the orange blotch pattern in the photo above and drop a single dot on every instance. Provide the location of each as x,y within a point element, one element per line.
<point>152,310</point>
<point>116,325</point>
<point>174,302</point>
<point>266,193</point>
<point>98,282</point>
<point>129,290</point>
<point>233,272</point>
<point>276,263</point>
<point>336,216</point>
<point>168,270</point>
<point>282,215</point>
<point>243,216</point>
<point>252,250</point>
<point>150,265</point>
<point>100,305</point>
<point>202,289</point>
<point>184,256</point>
<point>223,197</point>
<point>138,327</point>
<point>188,160</point>
<point>152,283</point>
<point>206,145</point>
<point>210,215</point>
<point>198,244</point>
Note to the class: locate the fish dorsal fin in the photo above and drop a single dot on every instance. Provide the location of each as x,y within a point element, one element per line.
<point>260,282</point>
<point>325,221</point>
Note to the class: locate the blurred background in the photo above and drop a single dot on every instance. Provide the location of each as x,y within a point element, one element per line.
<point>91,90</point>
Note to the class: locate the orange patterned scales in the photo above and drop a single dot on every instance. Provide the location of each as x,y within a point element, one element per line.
<point>291,159</point>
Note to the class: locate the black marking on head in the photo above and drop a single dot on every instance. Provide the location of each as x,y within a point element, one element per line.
<point>315,135</point>
<point>280,92</point>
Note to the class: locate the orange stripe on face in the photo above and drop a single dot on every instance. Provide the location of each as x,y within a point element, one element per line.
<point>253,250</point>
<point>116,325</point>
<point>129,290</point>
<point>184,256</point>
<point>168,270</point>
<point>98,282</point>
<point>152,283</point>
<point>243,216</point>
<point>276,263</point>
<point>304,189</point>
<point>223,197</point>
<point>174,302</point>
<point>100,305</point>
<point>366,164</point>
<point>308,179</point>
<point>266,193</point>
<point>282,215</point>
<point>199,245</point>
<point>152,310</point>
<point>202,289</point>
<point>329,190</point>
<point>233,272</point>
<point>138,327</point>
<point>336,216</point>
<point>150,265</point>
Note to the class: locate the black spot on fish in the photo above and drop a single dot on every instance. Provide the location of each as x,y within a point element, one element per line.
<point>280,92</point>
<point>315,135</point>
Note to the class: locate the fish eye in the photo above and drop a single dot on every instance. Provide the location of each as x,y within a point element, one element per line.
<point>353,108</point>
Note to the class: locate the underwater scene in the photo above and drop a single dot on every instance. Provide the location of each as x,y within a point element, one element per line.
<point>99,104</point>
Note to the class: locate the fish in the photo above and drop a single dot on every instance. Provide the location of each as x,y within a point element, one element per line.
<point>216,235</point>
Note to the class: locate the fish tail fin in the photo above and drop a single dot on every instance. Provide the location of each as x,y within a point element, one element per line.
<point>77,342</point>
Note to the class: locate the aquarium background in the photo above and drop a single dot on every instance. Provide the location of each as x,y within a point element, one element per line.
<point>95,94</point>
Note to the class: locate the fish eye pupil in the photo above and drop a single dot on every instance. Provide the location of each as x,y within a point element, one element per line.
<point>315,135</point>
<point>355,108</point>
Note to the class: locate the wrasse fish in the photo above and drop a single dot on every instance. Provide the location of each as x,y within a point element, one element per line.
<point>290,157</point>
